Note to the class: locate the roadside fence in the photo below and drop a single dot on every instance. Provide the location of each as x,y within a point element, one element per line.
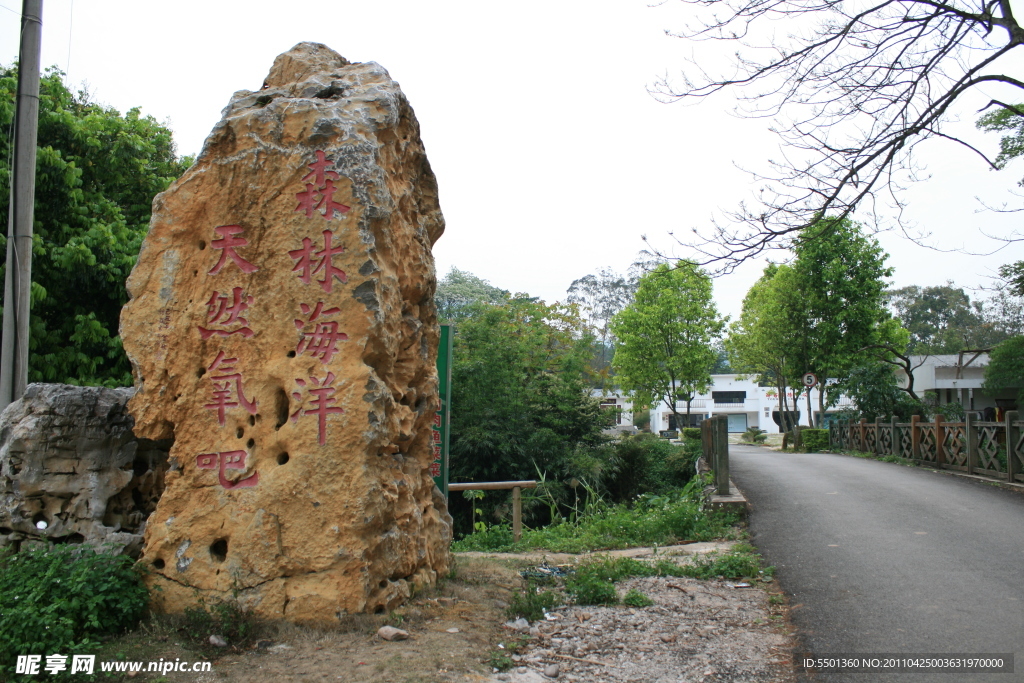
<point>989,449</point>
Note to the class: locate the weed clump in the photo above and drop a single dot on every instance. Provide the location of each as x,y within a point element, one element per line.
<point>531,603</point>
<point>635,598</point>
<point>62,598</point>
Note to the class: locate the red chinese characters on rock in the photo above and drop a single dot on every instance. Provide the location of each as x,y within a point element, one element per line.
<point>227,388</point>
<point>321,398</point>
<point>320,338</point>
<point>229,460</point>
<point>306,268</point>
<point>435,436</point>
<point>227,244</point>
<point>226,312</point>
<point>318,197</point>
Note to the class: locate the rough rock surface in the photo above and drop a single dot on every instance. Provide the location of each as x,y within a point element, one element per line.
<point>282,329</point>
<point>72,471</point>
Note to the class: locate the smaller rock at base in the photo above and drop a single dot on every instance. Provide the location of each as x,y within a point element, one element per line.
<point>551,671</point>
<point>520,624</point>
<point>452,630</point>
<point>218,641</point>
<point>392,633</point>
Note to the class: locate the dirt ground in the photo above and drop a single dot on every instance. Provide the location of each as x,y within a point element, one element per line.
<point>696,630</point>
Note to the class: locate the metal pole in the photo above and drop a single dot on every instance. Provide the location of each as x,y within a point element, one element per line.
<point>18,278</point>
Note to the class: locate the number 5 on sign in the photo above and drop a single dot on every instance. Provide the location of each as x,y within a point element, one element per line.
<point>810,380</point>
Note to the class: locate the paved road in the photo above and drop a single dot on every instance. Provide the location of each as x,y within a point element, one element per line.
<point>883,558</point>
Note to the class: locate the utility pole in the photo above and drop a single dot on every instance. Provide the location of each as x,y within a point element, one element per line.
<point>18,280</point>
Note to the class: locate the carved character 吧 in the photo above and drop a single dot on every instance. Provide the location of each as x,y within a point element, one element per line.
<point>228,460</point>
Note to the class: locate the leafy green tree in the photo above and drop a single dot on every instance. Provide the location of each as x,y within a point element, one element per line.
<point>1005,369</point>
<point>761,341</point>
<point>460,289</point>
<point>841,278</point>
<point>520,391</point>
<point>940,319</point>
<point>96,175</point>
<point>1009,120</point>
<point>600,297</point>
<point>874,389</point>
<point>664,348</point>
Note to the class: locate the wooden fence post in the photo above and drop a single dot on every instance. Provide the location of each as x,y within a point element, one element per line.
<point>971,439</point>
<point>915,437</point>
<point>1012,436</point>
<point>895,442</point>
<point>723,457</point>
<point>863,434</point>
<point>940,441</point>
<point>517,513</point>
<point>878,436</point>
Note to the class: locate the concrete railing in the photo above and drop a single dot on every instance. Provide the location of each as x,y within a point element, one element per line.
<point>517,497</point>
<point>991,449</point>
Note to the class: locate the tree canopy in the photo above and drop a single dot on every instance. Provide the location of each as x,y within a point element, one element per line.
<point>97,172</point>
<point>1005,369</point>
<point>459,290</point>
<point>664,348</point>
<point>520,392</point>
<point>853,88</point>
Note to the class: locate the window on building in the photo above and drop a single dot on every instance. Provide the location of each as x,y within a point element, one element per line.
<point>728,396</point>
<point>614,412</point>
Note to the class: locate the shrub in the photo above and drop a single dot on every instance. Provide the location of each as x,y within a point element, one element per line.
<point>58,598</point>
<point>754,435</point>
<point>225,618</point>
<point>815,440</point>
<point>530,604</point>
<point>635,598</point>
<point>742,562</point>
<point>691,433</point>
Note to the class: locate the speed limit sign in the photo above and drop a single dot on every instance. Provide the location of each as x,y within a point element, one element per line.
<point>810,380</point>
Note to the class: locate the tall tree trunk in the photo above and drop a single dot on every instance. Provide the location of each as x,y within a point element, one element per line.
<point>810,410</point>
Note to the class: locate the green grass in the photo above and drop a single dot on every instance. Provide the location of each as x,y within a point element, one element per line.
<point>884,458</point>
<point>650,520</point>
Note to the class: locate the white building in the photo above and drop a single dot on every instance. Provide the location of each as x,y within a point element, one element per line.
<point>743,402</point>
<point>957,377</point>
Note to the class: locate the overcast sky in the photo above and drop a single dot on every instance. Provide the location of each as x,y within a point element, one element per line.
<point>551,157</point>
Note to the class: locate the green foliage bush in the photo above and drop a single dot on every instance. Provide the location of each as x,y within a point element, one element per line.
<point>691,433</point>
<point>97,172</point>
<point>634,598</point>
<point>531,603</point>
<point>754,435</point>
<point>60,599</point>
<point>225,618</point>
<point>742,562</point>
<point>815,440</point>
<point>651,519</point>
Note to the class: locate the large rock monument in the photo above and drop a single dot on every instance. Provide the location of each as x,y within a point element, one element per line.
<point>282,330</point>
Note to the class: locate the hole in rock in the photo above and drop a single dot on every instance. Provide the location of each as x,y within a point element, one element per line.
<point>281,407</point>
<point>383,583</point>
<point>282,459</point>
<point>200,372</point>
<point>219,550</point>
<point>194,274</point>
<point>291,354</point>
<point>158,563</point>
<point>140,466</point>
<point>202,245</point>
<point>250,443</point>
<point>252,420</point>
<point>5,530</point>
<point>74,539</point>
<point>40,521</point>
<point>239,432</point>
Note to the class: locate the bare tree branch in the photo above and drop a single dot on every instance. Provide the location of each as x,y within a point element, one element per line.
<point>852,97</point>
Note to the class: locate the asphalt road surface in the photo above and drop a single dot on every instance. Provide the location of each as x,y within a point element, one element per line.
<point>882,558</point>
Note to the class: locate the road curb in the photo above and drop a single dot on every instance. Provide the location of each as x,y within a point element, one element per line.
<point>734,502</point>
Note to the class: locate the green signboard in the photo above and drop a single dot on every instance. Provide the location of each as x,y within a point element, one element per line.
<point>439,435</point>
